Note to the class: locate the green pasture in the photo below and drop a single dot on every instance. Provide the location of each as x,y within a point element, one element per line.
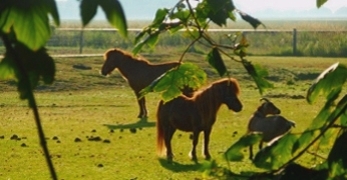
<point>92,131</point>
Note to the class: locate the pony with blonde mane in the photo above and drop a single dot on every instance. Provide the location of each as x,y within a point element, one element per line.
<point>138,72</point>
<point>195,114</point>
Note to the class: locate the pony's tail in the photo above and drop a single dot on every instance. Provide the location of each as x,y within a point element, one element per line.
<point>161,148</point>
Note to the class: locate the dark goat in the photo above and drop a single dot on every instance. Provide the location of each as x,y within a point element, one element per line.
<point>271,127</point>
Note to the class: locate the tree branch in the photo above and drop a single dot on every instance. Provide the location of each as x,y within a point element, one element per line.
<point>32,102</point>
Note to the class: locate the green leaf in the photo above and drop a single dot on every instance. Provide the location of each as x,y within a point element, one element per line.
<point>319,3</point>
<point>344,119</point>
<point>152,40</point>
<point>182,15</point>
<point>235,151</point>
<point>45,66</point>
<point>36,66</point>
<point>53,10</point>
<point>328,83</point>
<point>321,122</point>
<point>215,60</point>
<point>88,10</point>
<point>305,138</point>
<point>138,47</point>
<point>139,36</point>
<point>115,15</point>
<point>171,83</point>
<point>251,20</point>
<point>326,140</point>
<point>30,23</point>
<point>219,10</point>
<point>276,155</point>
<point>337,157</point>
<point>258,74</point>
<point>159,17</point>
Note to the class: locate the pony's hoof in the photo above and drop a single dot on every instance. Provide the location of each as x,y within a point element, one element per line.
<point>194,158</point>
<point>169,159</point>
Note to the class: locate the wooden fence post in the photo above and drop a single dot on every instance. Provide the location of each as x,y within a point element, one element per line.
<point>81,41</point>
<point>294,42</point>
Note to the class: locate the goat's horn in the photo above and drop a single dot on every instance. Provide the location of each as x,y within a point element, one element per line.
<point>265,99</point>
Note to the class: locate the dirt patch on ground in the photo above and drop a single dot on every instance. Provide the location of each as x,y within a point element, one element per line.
<point>285,96</point>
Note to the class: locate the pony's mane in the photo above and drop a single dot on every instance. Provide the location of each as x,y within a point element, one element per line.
<point>126,54</point>
<point>232,81</point>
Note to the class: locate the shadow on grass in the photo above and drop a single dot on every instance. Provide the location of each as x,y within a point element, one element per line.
<point>177,167</point>
<point>142,123</point>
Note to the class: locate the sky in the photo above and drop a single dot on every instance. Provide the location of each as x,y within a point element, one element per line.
<point>145,9</point>
<point>251,6</point>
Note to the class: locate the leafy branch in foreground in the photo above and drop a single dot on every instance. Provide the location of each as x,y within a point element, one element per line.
<point>329,122</point>
<point>194,19</point>
<point>24,30</point>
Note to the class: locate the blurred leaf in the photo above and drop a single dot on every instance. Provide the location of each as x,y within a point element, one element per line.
<point>159,17</point>
<point>138,47</point>
<point>305,138</point>
<point>337,170</point>
<point>115,15</point>
<point>171,83</point>
<point>88,10</point>
<point>327,140</point>
<point>152,40</point>
<point>29,21</point>
<point>220,10</point>
<point>182,15</point>
<point>329,83</point>
<point>276,155</point>
<point>53,10</point>
<point>323,119</point>
<point>240,48</point>
<point>258,74</point>
<point>215,60</point>
<point>174,28</point>
<point>319,3</point>
<point>139,36</point>
<point>251,20</point>
<point>235,151</point>
<point>45,66</point>
<point>344,119</point>
<point>337,158</point>
<point>38,66</point>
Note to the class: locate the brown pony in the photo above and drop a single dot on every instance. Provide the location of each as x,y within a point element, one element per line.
<point>137,71</point>
<point>195,114</point>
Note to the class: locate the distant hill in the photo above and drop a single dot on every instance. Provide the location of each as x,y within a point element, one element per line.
<point>145,10</point>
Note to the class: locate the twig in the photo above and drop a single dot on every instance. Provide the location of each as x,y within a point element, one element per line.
<point>314,140</point>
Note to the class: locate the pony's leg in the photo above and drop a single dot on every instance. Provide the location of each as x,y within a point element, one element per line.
<point>206,143</point>
<point>142,106</point>
<point>168,133</point>
<point>195,142</point>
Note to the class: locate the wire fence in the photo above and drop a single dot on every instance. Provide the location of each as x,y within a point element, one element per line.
<point>292,42</point>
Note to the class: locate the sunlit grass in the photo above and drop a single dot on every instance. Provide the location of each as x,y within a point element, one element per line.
<point>82,104</point>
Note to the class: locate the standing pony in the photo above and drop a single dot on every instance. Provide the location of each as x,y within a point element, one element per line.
<point>137,71</point>
<point>195,114</point>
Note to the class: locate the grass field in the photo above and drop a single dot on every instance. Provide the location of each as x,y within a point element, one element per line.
<point>92,131</point>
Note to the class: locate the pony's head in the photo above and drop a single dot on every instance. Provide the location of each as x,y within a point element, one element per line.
<point>230,90</point>
<point>111,62</point>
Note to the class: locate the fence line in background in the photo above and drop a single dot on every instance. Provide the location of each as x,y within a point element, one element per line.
<point>293,31</point>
